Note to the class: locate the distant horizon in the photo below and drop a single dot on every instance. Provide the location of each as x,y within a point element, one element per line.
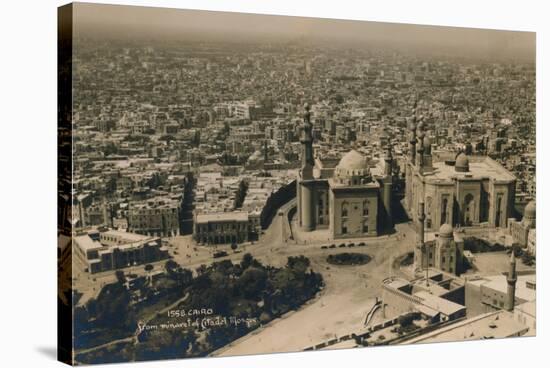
<point>123,22</point>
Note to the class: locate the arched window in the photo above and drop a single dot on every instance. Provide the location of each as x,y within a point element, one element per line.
<point>429,206</point>
<point>365,208</point>
<point>344,209</point>
<point>365,227</point>
<point>498,214</point>
<point>469,208</point>
<point>444,204</point>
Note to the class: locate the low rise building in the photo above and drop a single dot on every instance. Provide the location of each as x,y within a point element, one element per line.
<point>112,250</point>
<point>222,227</point>
<point>439,297</point>
<point>488,293</point>
<point>156,217</point>
<point>526,314</point>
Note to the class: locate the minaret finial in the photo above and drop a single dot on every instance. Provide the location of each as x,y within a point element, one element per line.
<point>307,113</point>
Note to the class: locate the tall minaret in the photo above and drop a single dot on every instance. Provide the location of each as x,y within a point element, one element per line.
<point>420,248</point>
<point>412,141</point>
<point>420,145</point>
<point>388,181</point>
<point>389,160</point>
<point>305,184</point>
<point>511,278</point>
<point>412,128</point>
<point>411,158</point>
<point>307,145</point>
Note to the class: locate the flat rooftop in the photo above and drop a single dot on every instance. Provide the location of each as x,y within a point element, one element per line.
<point>433,287</point>
<point>480,168</point>
<point>500,284</point>
<point>398,283</point>
<point>130,237</point>
<point>439,304</point>
<point>529,308</point>
<point>86,243</point>
<point>222,216</point>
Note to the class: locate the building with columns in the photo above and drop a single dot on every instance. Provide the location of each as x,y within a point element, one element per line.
<point>455,189</point>
<point>347,198</point>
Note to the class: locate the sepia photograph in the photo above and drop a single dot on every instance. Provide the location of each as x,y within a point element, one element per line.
<point>235,184</point>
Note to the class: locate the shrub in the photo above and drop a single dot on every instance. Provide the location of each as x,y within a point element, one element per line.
<point>348,259</point>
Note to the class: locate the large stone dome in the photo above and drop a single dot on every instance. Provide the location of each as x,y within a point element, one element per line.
<point>462,164</point>
<point>353,160</point>
<point>352,165</point>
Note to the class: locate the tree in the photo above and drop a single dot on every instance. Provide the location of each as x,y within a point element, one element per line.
<point>202,269</point>
<point>165,345</point>
<point>252,282</point>
<point>517,249</point>
<point>171,267</point>
<point>298,264</point>
<point>234,246</point>
<point>120,277</point>
<point>247,261</point>
<point>149,267</point>
<point>113,303</point>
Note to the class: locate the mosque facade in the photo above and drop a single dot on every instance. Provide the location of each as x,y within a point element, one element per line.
<point>345,198</point>
<point>459,190</point>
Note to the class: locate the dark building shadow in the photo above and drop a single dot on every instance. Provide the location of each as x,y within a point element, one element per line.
<point>399,214</point>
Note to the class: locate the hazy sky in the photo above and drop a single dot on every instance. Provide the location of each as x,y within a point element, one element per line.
<point>161,23</point>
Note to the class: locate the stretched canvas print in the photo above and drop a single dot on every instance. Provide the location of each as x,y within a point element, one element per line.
<point>237,184</point>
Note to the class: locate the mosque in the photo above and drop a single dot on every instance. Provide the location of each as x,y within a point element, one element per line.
<point>347,198</point>
<point>443,194</point>
<point>459,190</point>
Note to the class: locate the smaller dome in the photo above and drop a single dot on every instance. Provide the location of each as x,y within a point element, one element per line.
<point>530,211</point>
<point>446,231</point>
<point>462,164</point>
